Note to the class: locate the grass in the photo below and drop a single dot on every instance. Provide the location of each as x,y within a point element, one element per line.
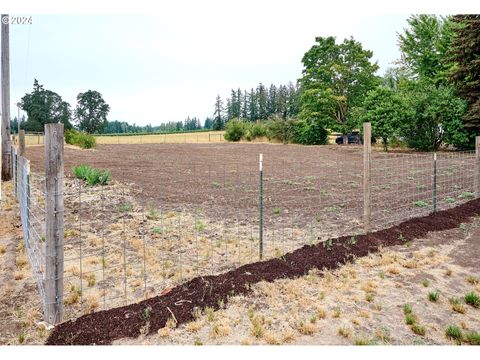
<point>473,280</point>
<point>418,329</point>
<point>91,175</point>
<point>473,338</point>
<point>425,283</point>
<point>433,296</point>
<point>457,306</point>
<point>472,299</point>
<point>257,329</point>
<point>466,195</point>
<point>364,342</point>
<point>171,138</point>
<point>453,332</point>
<point>407,309</point>
<point>126,207</point>
<point>410,319</point>
<point>277,211</point>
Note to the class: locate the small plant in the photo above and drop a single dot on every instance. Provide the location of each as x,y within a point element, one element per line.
<point>402,238</point>
<point>364,342</point>
<point>473,338</point>
<point>329,244</point>
<point>425,283</point>
<point>152,214</point>
<point>277,211</point>
<point>21,338</point>
<point>157,230</point>
<point>433,296</point>
<point>473,280</point>
<point>369,296</point>
<point>200,225</point>
<point>81,171</point>
<point>344,331</point>
<point>410,319</point>
<point>337,312</point>
<point>449,200</point>
<point>257,329</point>
<point>418,329</point>
<point>210,313</point>
<point>216,184</point>
<point>457,306</point>
<point>353,240</point>
<point>313,319</point>
<point>407,309</point>
<point>472,299</point>
<point>466,195</point>
<point>147,313</point>
<point>421,204</point>
<point>126,207</point>
<point>453,332</point>
<point>197,342</point>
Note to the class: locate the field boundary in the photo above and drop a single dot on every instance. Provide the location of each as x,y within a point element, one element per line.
<point>181,302</point>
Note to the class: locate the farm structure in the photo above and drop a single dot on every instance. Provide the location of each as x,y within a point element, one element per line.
<point>177,211</point>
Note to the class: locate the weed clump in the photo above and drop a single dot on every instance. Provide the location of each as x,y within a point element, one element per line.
<point>91,175</point>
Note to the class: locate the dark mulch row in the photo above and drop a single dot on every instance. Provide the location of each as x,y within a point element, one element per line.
<point>103,327</point>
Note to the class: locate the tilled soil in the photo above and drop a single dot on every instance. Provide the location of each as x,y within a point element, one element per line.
<point>181,302</point>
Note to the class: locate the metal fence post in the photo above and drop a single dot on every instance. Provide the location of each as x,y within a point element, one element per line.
<point>54,222</point>
<point>260,205</point>
<point>367,151</point>
<point>434,182</point>
<point>477,167</point>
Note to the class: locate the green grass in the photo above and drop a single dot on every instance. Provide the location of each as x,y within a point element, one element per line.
<point>453,332</point>
<point>407,309</point>
<point>418,329</point>
<point>126,207</point>
<point>91,175</point>
<point>449,200</point>
<point>425,283</point>
<point>466,195</point>
<point>277,211</point>
<point>433,296</point>
<point>410,319</point>
<point>473,338</point>
<point>457,306</point>
<point>472,299</point>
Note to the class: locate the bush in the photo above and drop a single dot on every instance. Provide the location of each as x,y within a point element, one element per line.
<point>306,133</point>
<point>235,130</point>
<point>255,130</point>
<point>91,175</point>
<point>278,129</point>
<point>81,139</point>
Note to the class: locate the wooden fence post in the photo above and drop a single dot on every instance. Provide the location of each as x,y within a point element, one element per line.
<point>367,151</point>
<point>21,143</point>
<point>54,222</point>
<point>477,166</point>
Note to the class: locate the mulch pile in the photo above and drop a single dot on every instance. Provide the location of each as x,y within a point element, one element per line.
<point>103,327</point>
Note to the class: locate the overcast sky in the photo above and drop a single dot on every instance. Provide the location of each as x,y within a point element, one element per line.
<point>172,64</point>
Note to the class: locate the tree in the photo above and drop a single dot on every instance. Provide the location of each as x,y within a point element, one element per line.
<point>384,109</point>
<point>91,112</point>
<point>43,107</point>
<point>218,123</point>
<point>335,79</point>
<point>435,116</point>
<point>424,47</point>
<point>465,75</point>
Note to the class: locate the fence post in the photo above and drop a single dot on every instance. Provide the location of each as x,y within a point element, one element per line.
<point>15,172</point>
<point>477,166</point>
<point>367,151</point>
<point>54,222</point>
<point>435,182</point>
<point>21,143</point>
<point>260,205</point>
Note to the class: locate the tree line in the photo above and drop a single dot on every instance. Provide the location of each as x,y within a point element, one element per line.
<point>428,99</point>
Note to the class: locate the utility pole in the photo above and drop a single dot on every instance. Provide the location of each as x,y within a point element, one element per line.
<point>5,72</point>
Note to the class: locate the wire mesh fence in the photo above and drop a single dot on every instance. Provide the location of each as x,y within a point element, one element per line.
<point>29,190</point>
<point>121,246</point>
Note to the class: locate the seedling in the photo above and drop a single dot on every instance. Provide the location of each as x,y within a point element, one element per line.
<point>433,296</point>
<point>369,297</point>
<point>210,313</point>
<point>421,203</point>
<point>126,207</point>
<point>449,200</point>
<point>425,283</point>
<point>402,238</point>
<point>152,214</point>
<point>466,195</point>
<point>197,342</point>
<point>453,332</point>
<point>147,312</point>
<point>353,240</point>
<point>157,230</point>
<point>216,184</point>
<point>277,211</point>
<point>472,299</point>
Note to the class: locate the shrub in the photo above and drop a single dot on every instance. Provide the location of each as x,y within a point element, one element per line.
<point>278,129</point>
<point>81,139</point>
<point>308,133</point>
<point>254,130</point>
<point>235,130</point>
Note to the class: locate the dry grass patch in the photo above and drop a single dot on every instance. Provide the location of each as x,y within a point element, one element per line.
<point>307,328</point>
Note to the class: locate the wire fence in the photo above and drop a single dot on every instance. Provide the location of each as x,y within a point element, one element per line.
<point>121,246</point>
<point>29,189</point>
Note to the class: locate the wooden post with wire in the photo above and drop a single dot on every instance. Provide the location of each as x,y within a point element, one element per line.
<point>367,152</point>
<point>21,143</point>
<point>54,212</point>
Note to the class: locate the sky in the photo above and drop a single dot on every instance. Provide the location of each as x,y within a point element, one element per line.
<point>171,62</point>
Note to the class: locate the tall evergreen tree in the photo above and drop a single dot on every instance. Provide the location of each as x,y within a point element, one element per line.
<point>262,102</point>
<point>218,123</point>
<point>465,74</point>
